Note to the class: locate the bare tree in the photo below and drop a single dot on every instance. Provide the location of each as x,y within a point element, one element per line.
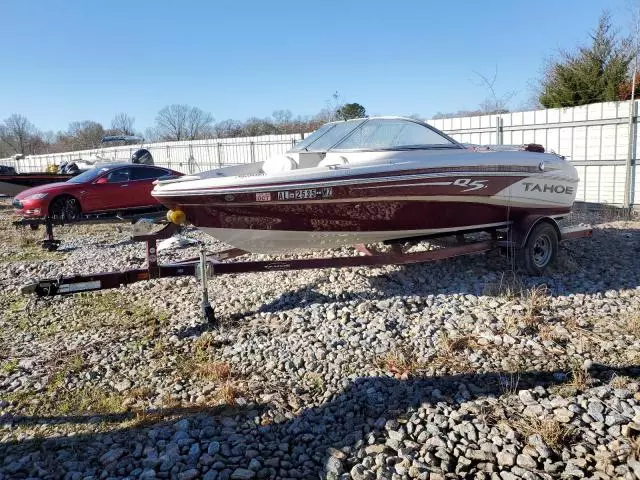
<point>17,133</point>
<point>182,122</point>
<point>494,103</point>
<point>123,124</point>
<point>82,135</point>
<point>282,120</point>
<point>228,129</point>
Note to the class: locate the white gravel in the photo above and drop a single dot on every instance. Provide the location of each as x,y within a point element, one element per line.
<point>455,369</point>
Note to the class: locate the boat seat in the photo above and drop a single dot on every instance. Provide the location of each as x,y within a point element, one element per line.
<point>333,161</point>
<point>279,164</point>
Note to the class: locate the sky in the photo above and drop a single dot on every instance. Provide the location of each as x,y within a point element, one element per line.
<point>65,61</point>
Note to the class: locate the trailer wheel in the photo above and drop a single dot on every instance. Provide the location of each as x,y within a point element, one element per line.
<point>540,249</point>
<point>66,208</point>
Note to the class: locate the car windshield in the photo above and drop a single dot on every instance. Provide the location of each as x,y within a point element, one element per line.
<point>391,133</point>
<point>327,136</point>
<point>89,175</point>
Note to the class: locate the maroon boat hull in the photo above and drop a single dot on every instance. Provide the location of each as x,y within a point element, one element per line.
<point>12,185</point>
<point>385,206</point>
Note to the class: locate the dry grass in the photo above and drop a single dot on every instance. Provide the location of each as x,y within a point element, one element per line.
<point>549,333</point>
<point>509,286</point>
<point>140,393</point>
<point>315,383</point>
<point>554,433</point>
<point>62,401</point>
<point>169,402</point>
<point>451,345</point>
<point>635,448</point>
<point>620,381</point>
<point>23,244</point>
<point>201,365</point>
<point>229,392</point>
<point>9,367</point>
<point>400,362</point>
<point>579,380</point>
<point>536,300</point>
<point>509,383</point>
<point>632,324</point>
<point>87,400</point>
<point>213,370</point>
<point>452,352</point>
<point>64,365</point>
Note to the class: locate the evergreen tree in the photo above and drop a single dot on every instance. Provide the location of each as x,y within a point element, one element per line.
<point>592,74</point>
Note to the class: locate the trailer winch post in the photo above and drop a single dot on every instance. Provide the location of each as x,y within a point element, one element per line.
<point>207,310</point>
<point>49,243</point>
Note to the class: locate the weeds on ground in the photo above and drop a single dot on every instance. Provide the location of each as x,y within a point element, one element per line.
<point>111,309</point>
<point>400,362</point>
<point>632,324</point>
<point>554,433</point>
<point>82,312</point>
<point>229,392</point>
<point>24,246</point>
<point>529,320</point>
<point>619,381</point>
<point>315,383</point>
<point>213,370</point>
<point>509,286</point>
<point>62,401</point>
<point>579,380</point>
<point>508,383</point>
<point>140,393</point>
<point>86,400</point>
<point>9,367</point>
<point>201,365</point>
<point>536,300</point>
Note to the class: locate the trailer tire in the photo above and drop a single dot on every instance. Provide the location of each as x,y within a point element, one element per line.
<point>540,250</point>
<point>65,207</point>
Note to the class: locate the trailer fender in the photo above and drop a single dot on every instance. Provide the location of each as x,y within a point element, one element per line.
<point>520,231</point>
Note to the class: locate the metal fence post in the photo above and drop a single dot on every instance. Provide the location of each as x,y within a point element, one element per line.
<point>499,132</point>
<point>630,164</point>
<point>219,150</point>
<point>252,152</point>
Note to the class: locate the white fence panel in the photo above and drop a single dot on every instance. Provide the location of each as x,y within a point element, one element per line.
<point>595,138</point>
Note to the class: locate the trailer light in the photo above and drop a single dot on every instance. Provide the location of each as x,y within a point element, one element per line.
<point>176,216</point>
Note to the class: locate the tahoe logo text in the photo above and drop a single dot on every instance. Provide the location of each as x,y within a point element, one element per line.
<point>536,187</point>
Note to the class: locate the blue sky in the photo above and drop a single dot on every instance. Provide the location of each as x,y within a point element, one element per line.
<point>88,60</point>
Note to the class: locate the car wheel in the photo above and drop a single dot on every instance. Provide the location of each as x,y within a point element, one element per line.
<point>66,208</point>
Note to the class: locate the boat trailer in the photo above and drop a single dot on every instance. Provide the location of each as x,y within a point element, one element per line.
<point>51,244</point>
<point>210,265</point>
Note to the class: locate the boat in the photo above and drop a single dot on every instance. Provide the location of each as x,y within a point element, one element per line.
<point>369,180</point>
<point>100,157</point>
<point>12,183</point>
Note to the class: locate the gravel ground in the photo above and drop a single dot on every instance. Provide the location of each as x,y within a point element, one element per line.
<point>455,369</point>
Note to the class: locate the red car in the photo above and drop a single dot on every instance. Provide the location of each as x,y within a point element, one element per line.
<point>112,187</point>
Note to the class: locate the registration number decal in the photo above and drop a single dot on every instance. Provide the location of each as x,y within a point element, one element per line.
<point>263,197</point>
<point>306,194</point>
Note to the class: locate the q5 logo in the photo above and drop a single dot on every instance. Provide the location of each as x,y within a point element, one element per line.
<point>470,184</point>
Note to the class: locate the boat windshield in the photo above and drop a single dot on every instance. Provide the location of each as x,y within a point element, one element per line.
<point>327,136</point>
<point>394,134</point>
